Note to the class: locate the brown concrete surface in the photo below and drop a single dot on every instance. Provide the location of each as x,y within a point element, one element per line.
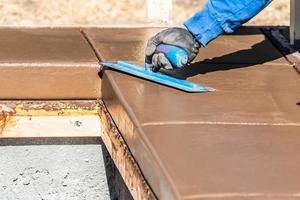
<point>126,44</point>
<point>236,143</point>
<point>45,63</point>
<point>245,46</point>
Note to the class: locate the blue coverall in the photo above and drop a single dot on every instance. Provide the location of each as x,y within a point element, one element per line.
<point>219,16</point>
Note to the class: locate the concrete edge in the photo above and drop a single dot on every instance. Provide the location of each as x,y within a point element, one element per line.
<point>122,157</point>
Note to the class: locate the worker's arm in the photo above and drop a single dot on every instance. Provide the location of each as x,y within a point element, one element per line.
<point>217,17</point>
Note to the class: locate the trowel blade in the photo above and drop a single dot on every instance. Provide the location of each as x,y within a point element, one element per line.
<point>157,77</point>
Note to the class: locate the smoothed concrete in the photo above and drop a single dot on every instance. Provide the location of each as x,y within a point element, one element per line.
<point>126,44</point>
<point>234,143</point>
<point>47,63</point>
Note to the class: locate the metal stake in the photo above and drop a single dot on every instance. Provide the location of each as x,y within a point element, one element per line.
<point>295,22</point>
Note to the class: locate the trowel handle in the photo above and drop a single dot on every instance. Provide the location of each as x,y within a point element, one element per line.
<point>177,56</point>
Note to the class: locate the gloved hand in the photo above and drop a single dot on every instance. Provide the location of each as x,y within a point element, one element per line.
<point>177,36</point>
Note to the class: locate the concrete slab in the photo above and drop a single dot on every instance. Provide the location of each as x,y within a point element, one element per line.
<point>222,161</point>
<point>247,94</point>
<point>247,98</point>
<point>127,44</point>
<point>253,101</point>
<point>245,46</point>
<point>47,63</point>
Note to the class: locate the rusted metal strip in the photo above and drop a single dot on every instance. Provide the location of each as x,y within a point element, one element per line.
<point>6,113</point>
<point>123,158</point>
<point>50,108</point>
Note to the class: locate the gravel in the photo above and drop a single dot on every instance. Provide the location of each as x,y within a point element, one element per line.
<point>53,172</point>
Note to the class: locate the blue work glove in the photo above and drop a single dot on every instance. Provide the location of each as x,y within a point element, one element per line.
<point>178,37</point>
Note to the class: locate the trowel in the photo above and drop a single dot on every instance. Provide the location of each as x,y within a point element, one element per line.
<point>178,58</point>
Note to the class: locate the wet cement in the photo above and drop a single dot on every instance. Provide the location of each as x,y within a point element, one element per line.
<point>126,44</point>
<point>73,172</point>
<point>234,143</point>
<point>47,63</point>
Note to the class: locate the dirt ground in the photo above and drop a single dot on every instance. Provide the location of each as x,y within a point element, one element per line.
<point>109,12</point>
<point>277,13</point>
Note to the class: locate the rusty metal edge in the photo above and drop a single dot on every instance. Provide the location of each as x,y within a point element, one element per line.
<point>122,157</point>
<point>290,52</point>
<point>52,108</point>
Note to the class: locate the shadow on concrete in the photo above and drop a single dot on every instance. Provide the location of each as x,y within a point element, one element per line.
<point>117,187</point>
<point>221,63</point>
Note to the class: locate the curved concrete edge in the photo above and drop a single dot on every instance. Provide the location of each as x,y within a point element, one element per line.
<point>122,157</point>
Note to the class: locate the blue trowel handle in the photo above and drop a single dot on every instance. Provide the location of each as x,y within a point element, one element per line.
<point>177,56</point>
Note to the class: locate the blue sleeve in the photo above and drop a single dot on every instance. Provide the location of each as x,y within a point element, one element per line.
<point>219,16</point>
